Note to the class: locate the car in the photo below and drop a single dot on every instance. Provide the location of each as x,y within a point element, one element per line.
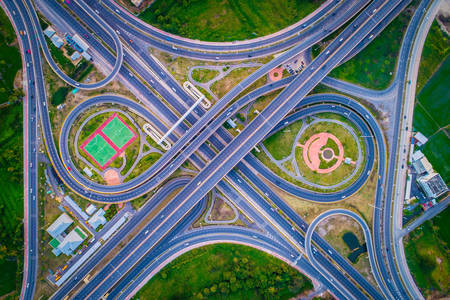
<point>86,35</point>
<point>29,51</point>
<point>68,168</point>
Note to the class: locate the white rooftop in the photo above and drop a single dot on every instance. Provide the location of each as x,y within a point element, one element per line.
<point>91,209</point>
<point>417,155</point>
<point>83,45</point>
<point>61,224</point>
<point>49,31</point>
<point>97,219</point>
<point>420,138</point>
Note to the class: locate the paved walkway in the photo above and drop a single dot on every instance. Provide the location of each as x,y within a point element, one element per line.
<point>290,159</point>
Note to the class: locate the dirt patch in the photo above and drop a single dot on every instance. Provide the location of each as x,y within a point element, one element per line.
<point>112,177</point>
<point>18,80</point>
<point>221,211</point>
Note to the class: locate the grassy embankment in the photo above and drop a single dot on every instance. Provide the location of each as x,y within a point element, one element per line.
<point>229,20</point>
<point>427,253</point>
<point>204,75</point>
<point>432,100</point>
<point>11,164</point>
<point>225,271</point>
<point>372,67</point>
<point>10,61</point>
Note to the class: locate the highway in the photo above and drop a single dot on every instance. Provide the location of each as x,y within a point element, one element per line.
<point>367,236</point>
<point>39,33</point>
<point>30,144</point>
<point>173,40</point>
<point>120,192</point>
<point>189,143</point>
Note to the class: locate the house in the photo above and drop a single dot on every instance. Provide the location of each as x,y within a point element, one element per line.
<point>417,155</point>
<point>91,209</point>
<point>57,41</point>
<point>421,139</point>
<point>432,184</point>
<point>88,172</point>
<point>75,207</point>
<point>422,166</point>
<point>86,56</point>
<point>97,219</point>
<point>61,224</point>
<point>75,56</point>
<point>231,123</point>
<point>80,42</point>
<point>70,242</point>
<point>49,32</point>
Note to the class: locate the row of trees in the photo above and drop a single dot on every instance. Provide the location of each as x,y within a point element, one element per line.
<point>247,277</point>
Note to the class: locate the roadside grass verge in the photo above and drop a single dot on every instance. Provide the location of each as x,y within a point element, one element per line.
<point>280,143</point>
<point>10,60</point>
<point>229,20</point>
<point>430,119</point>
<point>372,66</point>
<point>435,50</point>
<point>11,196</point>
<point>225,271</point>
<point>224,85</point>
<point>204,75</point>
<point>426,250</point>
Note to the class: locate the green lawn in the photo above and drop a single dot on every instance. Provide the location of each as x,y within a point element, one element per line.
<point>7,279</point>
<point>371,67</point>
<point>226,20</point>
<point>427,254</point>
<point>435,49</point>
<point>280,143</point>
<point>204,75</point>
<point>10,61</point>
<point>225,271</point>
<point>433,98</point>
<point>11,187</point>
<point>432,122</point>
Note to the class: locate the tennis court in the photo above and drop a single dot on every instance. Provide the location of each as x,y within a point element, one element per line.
<point>99,150</point>
<point>108,141</point>
<point>118,132</point>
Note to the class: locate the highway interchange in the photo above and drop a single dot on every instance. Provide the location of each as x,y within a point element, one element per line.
<point>228,165</point>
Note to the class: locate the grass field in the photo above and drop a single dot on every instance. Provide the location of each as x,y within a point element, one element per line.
<point>224,85</point>
<point>225,271</point>
<point>371,67</point>
<point>432,122</point>
<point>204,75</point>
<point>427,253</point>
<point>10,61</point>
<point>11,162</point>
<point>11,196</point>
<point>280,143</point>
<point>435,50</point>
<point>226,20</point>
